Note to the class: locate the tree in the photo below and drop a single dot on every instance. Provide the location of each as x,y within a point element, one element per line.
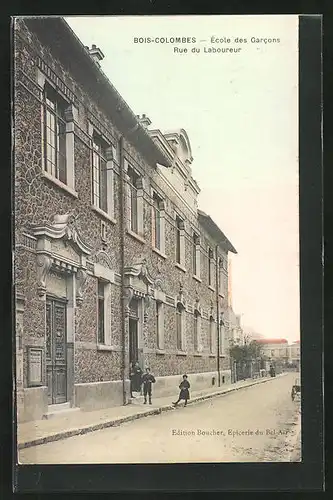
<point>244,356</point>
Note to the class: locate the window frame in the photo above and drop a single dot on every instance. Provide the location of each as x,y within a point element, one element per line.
<point>196,329</point>
<point>99,149</point>
<point>210,267</point>
<point>194,254</point>
<point>179,326</point>
<point>101,312</point>
<point>211,334</point>
<point>57,112</point>
<point>133,178</point>
<point>156,221</point>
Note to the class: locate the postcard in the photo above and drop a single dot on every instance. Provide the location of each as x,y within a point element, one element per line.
<point>157,303</point>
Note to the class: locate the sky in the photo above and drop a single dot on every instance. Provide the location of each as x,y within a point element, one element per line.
<point>240,111</point>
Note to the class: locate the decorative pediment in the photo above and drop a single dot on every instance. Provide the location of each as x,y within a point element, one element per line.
<point>141,272</point>
<point>180,144</point>
<point>103,259</point>
<point>62,227</point>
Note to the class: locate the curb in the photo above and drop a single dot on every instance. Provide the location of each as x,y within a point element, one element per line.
<point>121,420</point>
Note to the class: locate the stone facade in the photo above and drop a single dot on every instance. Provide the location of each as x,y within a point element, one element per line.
<point>65,245</point>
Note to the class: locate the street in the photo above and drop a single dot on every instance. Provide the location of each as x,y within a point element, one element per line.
<point>253,424</point>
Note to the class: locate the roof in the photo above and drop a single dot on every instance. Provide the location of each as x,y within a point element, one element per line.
<point>57,34</point>
<point>213,229</point>
<point>272,341</point>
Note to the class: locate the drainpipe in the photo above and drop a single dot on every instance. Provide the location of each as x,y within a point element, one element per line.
<point>122,262</point>
<point>218,317</point>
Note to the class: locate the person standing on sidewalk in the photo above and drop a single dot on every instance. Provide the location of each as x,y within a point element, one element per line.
<point>147,380</point>
<point>137,377</point>
<point>184,391</point>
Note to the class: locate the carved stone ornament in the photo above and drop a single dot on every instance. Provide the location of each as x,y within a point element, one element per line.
<point>211,309</point>
<point>128,295</point>
<point>180,297</point>
<point>159,283</point>
<point>62,226</point>
<point>147,302</point>
<point>81,277</point>
<point>44,262</point>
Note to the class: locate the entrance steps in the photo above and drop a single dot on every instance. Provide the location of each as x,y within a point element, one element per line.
<point>60,410</point>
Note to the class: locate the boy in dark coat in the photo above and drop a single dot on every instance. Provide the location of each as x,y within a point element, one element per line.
<point>184,391</point>
<point>147,380</point>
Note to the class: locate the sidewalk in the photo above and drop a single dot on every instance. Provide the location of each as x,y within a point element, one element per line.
<point>44,431</point>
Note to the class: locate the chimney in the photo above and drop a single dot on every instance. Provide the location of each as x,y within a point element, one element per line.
<point>144,120</point>
<point>96,54</point>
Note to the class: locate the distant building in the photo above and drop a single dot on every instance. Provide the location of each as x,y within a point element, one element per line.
<point>294,353</point>
<point>274,349</point>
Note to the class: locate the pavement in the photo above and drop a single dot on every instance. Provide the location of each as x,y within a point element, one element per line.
<point>255,423</point>
<point>39,432</point>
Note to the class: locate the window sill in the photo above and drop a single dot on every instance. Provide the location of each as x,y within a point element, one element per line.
<point>179,266</point>
<point>135,236</point>
<point>197,354</point>
<point>60,184</point>
<point>103,214</point>
<point>222,295</point>
<point>181,353</point>
<point>211,288</point>
<point>105,347</point>
<point>161,254</point>
<point>195,277</point>
<point>160,351</point>
<point>211,355</point>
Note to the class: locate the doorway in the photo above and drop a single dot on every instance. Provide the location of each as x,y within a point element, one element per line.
<point>56,347</point>
<point>133,340</point>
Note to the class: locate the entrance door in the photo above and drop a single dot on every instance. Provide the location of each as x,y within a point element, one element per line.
<point>56,363</point>
<point>133,340</point>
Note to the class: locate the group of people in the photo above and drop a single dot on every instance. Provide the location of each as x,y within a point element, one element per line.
<point>140,380</point>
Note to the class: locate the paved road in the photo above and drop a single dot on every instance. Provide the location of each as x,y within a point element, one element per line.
<point>249,425</point>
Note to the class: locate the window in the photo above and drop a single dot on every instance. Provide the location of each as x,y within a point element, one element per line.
<point>210,267</point>
<point>194,254</point>
<point>101,312</point>
<point>159,325</point>
<point>54,134</point>
<point>221,276</point>
<point>196,330</point>
<point>222,338</point>
<point>179,327</point>
<point>211,334</point>
<point>133,178</point>
<point>104,312</point>
<point>99,173</point>
<point>156,222</point>
<point>180,241</point>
